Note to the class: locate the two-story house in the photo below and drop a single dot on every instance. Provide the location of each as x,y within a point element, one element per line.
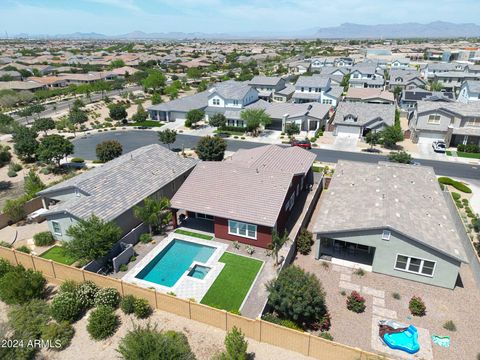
<point>401,63</point>
<point>432,69</point>
<point>316,88</point>
<point>410,97</point>
<point>469,91</point>
<point>367,75</point>
<point>267,86</point>
<point>405,79</point>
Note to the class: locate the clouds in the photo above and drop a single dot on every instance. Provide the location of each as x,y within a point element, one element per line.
<point>121,16</point>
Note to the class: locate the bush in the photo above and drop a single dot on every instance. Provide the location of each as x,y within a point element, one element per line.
<point>108,150</point>
<point>58,334</point>
<point>86,293</point>
<point>13,208</point>
<point>19,286</point>
<point>417,306</point>
<point>456,184</point>
<point>25,249</point>
<point>66,307</point>
<point>123,267</point>
<point>69,286</point>
<point>282,322</point>
<point>356,302</point>
<point>148,343</point>
<point>400,157</point>
<point>470,148</point>
<point>127,304</point>
<point>359,272</point>
<point>141,308</point>
<point>102,323</point>
<point>305,242</point>
<point>28,319</point>
<point>107,297</point>
<point>15,167</point>
<point>44,238</point>
<point>456,196</point>
<point>145,238</point>
<point>77,160</point>
<point>326,335</point>
<point>450,326</point>
<point>5,267</point>
<point>235,346</point>
<point>396,296</point>
<point>11,173</point>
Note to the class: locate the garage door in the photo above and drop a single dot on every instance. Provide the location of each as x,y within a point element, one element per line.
<point>428,137</point>
<point>351,131</point>
<point>275,125</point>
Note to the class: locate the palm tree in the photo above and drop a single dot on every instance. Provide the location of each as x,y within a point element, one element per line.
<point>277,242</point>
<point>153,212</point>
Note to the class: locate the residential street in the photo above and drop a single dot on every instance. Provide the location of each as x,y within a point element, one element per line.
<point>85,148</point>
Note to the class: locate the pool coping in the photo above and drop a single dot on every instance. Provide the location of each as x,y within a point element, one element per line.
<point>186,286</point>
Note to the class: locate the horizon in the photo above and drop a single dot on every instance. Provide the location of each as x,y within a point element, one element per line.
<point>116,17</point>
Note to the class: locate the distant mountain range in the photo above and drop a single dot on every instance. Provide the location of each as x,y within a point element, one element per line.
<point>437,29</point>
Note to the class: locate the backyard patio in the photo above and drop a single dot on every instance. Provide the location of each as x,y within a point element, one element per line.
<point>387,298</point>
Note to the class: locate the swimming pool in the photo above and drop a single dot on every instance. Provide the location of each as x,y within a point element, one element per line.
<point>172,262</point>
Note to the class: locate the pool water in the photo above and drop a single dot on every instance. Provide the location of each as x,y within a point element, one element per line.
<point>199,271</point>
<point>172,262</point>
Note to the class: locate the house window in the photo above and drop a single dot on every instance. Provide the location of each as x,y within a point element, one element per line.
<point>204,216</point>
<point>216,101</point>
<point>473,122</point>
<point>290,202</point>
<point>242,229</point>
<point>415,265</point>
<point>386,235</point>
<point>303,89</point>
<point>56,228</point>
<point>434,119</point>
<point>235,102</point>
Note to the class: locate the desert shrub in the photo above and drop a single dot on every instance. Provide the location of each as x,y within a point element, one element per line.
<point>305,242</point>
<point>25,249</point>
<point>456,196</point>
<point>417,306</point>
<point>283,322</point>
<point>29,318</point>
<point>13,208</point>
<point>19,286</point>
<point>11,173</point>
<point>450,326</point>
<point>102,323</point>
<point>396,296</point>
<point>235,346</point>
<point>59,334</point>
<point>359,272</point>
<point>44,238</point>
<point>107,297</point>
<point>148,343</point>
<point>141,308</point>
<point>15,167</point>
<point>326,335</point>
<point>145,238</point>
<point>77,160</point>
<point>127,304</point>
<point>86,294</point>
<point>5,267</point>
<point>123,267</point>
<point>356,302</point>
<point>66,307</point>
<point>69,286</point>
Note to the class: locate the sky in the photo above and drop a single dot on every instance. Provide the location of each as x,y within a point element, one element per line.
<point>113,17</point>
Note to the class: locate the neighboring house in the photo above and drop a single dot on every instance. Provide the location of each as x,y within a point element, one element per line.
<point>247,197</point>
<point>10,75</point>
<point>49,81</point>
<point>285,94</point>
<point>344,62</point>
<point>433,69</point>
<point>369,95</point>
<point>469,91</point>
<point>177,109</point>
<point>391,219</point>
<point>405,79</point>
<point>454,122</point>
<point>409,98</point>
<point>401,63</point>
<point>316,88</point>
<point>267,86</point>
<point>21,85</point>
<point>357,119</point>
<point>366,75</point>
<point>87,78</point>
<point>318,63</point>
<point>453,80</point>
<point>336,75</point>
<point>299,67</point>
<point>124,71</point>
<point>112,190</point>
<point>308,116</point>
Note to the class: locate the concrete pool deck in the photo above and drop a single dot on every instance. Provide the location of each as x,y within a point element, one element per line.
<point>186,287</point>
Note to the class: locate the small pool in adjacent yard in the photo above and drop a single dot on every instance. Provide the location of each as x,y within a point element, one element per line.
<point>173,261</point>
<point>199,271</point>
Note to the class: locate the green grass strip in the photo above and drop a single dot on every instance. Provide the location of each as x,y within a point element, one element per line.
<point>194,234</point>
<point>58,254</point>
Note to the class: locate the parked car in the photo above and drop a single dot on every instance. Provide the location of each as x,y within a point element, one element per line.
<point>306,144</point>
<point>439,146</point>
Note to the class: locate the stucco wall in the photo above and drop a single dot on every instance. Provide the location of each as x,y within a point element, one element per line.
<point>446,269</point>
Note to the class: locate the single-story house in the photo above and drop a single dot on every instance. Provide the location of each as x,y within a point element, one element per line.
<point>248,196</point>
<point>369,95</point>
<point>392,219</point>
<point>112,190</point>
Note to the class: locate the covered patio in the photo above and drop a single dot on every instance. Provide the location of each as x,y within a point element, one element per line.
<point>346,253</point>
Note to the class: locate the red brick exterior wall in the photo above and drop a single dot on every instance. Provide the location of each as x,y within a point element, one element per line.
<point>264,234</point>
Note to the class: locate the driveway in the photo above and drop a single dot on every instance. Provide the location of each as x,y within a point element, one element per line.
<point>426,152</point>
<point>345,142</point>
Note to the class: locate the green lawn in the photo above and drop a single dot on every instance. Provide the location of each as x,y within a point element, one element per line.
<point>58,254</point>
<point>149,123</point>
<point>232,285</point>
<point>194,234</point>
<point>465,155</point>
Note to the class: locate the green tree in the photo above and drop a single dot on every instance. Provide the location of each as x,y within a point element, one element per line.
<point>292,128</point>
<point>171,91</point>
<point>217,120</point>
<point>435,86</point>
<point>156,99</point>
<point>194,73</point>
<point>235,346</point>
<point>202,86</point>
<point>304,242</point>
<point>140,115</point>
<point>115,64</point>
<point>43,124</point>
<point>373,138</point>
<point>254,118</point>
<point>297,296</point>
<point>167,137</point>
<point>277,243</point>
<point>400,157</point>
<point>155,80</point>
<point>5,155</point>
<point>211,148</point>
<point>91,238</point>
<point>53,148</point>
<point>194,116</point>
<point>117,112</point>
<point>397,90</point>
<point>14,209</point>
<point>33,184</point>
<point>153,212</point>
<point>20,286</point>
<point>108,150</point>
<point>26,143</point>
<point>391,135</point>
<point>6,124</point>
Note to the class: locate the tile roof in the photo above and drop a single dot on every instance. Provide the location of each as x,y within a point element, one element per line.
<point>458,108</point>
<point>404,198</point>
<point>117,186</point>
<point>369,93</point>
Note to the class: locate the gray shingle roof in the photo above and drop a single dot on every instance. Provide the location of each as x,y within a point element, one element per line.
<point>473,85</point>
<point>187,103</point>
<point>121,183</point>
<point>458,108</point>
<point>231,89</point>
<point>318,81</point>
<point>404,198</point>
<point>265,80</point>
<point>365,112</point>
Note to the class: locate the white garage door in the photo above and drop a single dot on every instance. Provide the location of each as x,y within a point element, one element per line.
<point>343,130</point>
<point>428,137</point>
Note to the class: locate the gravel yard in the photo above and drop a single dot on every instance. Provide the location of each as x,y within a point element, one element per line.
<point>459,305</point>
